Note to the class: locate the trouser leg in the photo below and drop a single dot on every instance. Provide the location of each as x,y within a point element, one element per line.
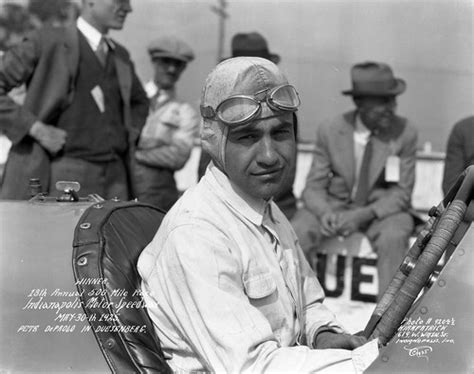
<point>116,181</point>
<point>154,185</point>
<point>389,237</point>
<point>107,179</point>
<point>308,230</point>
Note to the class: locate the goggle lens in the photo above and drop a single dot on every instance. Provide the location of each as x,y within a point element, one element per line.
<point>285,98</point>
<point>237,109</point>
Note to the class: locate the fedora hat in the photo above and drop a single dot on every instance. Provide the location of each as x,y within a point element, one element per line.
<point>252,44</point>
<point>374,79</point>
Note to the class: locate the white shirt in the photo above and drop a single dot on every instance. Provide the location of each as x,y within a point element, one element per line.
<point>361,137</point>
<point>229,289</point>
<point>92,35</point>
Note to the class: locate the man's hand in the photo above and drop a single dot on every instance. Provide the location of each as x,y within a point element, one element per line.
<point>329,339</point>
<point>352,220</point>
<point>51,138</point>
<point>329,224</point>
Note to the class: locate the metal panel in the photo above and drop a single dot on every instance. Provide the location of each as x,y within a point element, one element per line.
<point>35,272</point>
<point>438,335</point>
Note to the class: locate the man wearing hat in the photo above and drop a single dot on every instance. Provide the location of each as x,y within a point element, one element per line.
<point>459,151</point>
<point>363,172</point>
<point>225,282</point>
<point>253,44</point>
<point>168,136</point>
<point>84,106</point>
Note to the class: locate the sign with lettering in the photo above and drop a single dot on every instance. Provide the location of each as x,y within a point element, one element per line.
<point>62,311</point>
<point>420,335</point>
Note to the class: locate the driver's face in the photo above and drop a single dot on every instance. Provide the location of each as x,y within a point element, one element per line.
<point>259,155</point>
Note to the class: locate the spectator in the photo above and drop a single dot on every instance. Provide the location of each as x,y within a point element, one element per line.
<point>15,22</point>
<point>224,280</point>
<point>254,45</point>
<point>171,128</point>
<point>54,12</point>
<point>84,105</point>
<point>459,151</point>
<point>363,172</point>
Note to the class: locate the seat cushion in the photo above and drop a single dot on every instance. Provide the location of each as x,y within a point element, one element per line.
<point>108,240</point>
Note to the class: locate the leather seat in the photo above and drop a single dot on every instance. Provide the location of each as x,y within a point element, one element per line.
<point>108,239</point>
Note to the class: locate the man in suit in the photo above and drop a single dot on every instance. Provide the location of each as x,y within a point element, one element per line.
<point>363,172</point>
<point>84,106</point>
<point>459,151</point>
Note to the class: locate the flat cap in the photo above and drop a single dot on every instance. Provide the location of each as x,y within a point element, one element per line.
<point>171,47</point>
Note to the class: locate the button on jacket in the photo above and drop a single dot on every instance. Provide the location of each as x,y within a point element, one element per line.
<point>228,287</point>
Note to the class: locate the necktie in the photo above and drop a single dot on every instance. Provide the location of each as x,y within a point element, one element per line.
<point>102,50</point>
<point>362,192</point>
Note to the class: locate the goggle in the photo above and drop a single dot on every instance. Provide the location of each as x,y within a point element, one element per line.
<point>239,109</point>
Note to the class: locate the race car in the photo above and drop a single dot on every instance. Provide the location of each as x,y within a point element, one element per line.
<point>71,300</point>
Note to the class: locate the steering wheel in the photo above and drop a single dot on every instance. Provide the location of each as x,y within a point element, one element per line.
<point>421,260</point>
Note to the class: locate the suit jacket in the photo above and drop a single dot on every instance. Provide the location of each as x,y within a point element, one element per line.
<point>459,151</point>
<point>47,62</point>
<point>331,178</point>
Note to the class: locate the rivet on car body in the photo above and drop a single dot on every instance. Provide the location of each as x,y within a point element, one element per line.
<point>110,343</point>
<point>85,225</point>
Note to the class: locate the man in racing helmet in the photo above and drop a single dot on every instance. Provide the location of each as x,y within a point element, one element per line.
<point>225,282</point>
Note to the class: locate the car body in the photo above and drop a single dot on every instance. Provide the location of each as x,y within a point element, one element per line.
<point>47,324</point>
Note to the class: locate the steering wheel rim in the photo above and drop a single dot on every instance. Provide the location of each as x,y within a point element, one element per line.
<point>425,254</point>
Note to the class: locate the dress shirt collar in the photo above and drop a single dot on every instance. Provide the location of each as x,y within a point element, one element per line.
<point>92,35</point>
<point>255,210</point>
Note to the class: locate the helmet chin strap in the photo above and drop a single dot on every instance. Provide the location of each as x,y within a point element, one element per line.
<point>225,135</point>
